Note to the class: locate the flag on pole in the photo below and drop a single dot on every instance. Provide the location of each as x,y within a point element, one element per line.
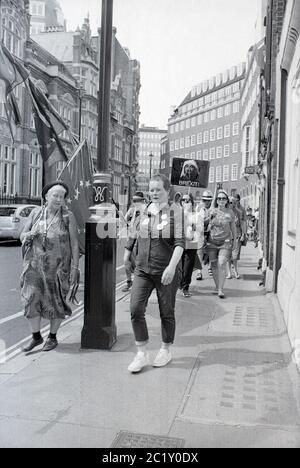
<point>78,175</point>
<point>48,125</point>
<point>12,74</point>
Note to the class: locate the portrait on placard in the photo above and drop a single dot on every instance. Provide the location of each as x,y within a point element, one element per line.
<point>190,173</point>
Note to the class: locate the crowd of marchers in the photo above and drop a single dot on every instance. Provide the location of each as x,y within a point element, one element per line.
<point>167,241</point>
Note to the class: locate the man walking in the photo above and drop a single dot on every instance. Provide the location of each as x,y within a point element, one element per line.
<point>206,202</point>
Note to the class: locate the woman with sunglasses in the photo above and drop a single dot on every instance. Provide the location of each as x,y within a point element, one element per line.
<point>194,231</point>
<point>221,240</point>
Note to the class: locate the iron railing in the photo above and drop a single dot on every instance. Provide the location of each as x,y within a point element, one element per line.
<point>18,200</point>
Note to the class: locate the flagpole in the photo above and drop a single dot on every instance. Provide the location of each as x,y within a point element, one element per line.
<point>99,330</point>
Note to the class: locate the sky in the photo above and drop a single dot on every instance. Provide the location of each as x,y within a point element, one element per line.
<point>178,43</point>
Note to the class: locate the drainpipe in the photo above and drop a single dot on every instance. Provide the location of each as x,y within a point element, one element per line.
<point>281,175</point>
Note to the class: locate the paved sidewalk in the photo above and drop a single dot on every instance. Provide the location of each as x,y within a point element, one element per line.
<point>232,382</point>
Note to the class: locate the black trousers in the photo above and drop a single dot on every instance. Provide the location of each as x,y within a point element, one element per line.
<point>142,288</point>
<point>188,263</point>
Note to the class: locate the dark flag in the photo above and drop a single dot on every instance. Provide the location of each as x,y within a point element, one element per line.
<point>48,125</point>
<point>78,175</point>
<point>12,74</point>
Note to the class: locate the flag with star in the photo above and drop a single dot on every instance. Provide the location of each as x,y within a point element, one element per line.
<point>48,125</point>
<point>78,175</point>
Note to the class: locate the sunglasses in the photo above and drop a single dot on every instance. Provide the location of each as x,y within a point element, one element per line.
<point>222,199</point>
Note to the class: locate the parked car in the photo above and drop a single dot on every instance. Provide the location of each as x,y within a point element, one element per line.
<point>13,219</point>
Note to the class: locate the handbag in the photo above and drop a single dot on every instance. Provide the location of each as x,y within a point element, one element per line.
<point>245,241</point>
<point>217,236</point>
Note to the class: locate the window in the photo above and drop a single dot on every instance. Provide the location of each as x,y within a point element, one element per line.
<point>234,172</point>
<point>220,112</point>
<point>36,28</point>
<point>235,147</point>
<point>181,143</point>
<point>207,99</point>
<point>236,107</point>
<point>176,144</point>
<point>11,34</point>
<point>228,91</point>
<point>193,155</point>
<point>235,88</point>
<point>211,175</point>
<point>213,134</point>
<point>206,136</point>
<point>212,153</point>
<point>199,138</point>
<point>227,131</point>
<point>35,175</point>
<point>225,173</point>
<point>235,129</point>
<point>187,156</point>
<point>226,151</point>
<point>221,93</point>
<point>219,174</point>
<point>37,8</point>
<point>213,115</point>
<point>193,123</point>
<point>199,155</point>
<point>247,145</point>
<point>205,155</point>
<point>172,145</point>
<point>220,133</point>
<point>172,129</point>
<point>227,110</point>
<point>8,170</point>
<point>193,140</point>
<point>187,142</point>
<point>176,127</point>
<point>182,125</point>
<point>219,152</point>
<point>188,123</point>
<point>206,117</point>
<point>200,119</point>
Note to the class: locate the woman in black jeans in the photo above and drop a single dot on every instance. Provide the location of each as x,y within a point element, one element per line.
<point>194,231</point>
<point>160,244</point>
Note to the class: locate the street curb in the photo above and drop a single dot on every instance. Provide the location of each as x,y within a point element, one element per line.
<point>16,350</point>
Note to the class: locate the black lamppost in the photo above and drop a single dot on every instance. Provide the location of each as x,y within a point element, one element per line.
<point>151,156</point>
<point>99,330</point>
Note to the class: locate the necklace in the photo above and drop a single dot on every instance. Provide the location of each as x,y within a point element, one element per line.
<point>47,225</point>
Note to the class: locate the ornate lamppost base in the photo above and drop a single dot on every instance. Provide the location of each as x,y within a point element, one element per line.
<point>99,330</point>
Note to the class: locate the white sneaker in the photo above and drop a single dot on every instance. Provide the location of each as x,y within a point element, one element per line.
<point>140,361</point>
<point>163,358</point>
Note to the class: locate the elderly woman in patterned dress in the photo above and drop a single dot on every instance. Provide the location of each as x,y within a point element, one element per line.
<point>51,258</point>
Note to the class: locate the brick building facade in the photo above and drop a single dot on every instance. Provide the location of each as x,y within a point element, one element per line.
<point>79,51</point>
<point>65,65</point>
<point>206,126</point>
<point>45,15</point>
<point>251,97</point>
<point>268,158</point>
